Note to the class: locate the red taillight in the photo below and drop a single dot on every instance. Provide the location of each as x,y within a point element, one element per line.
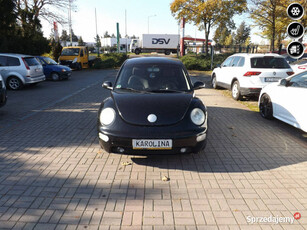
<point>26,64</point>
<point>251,73</point>
<point>290,73</point>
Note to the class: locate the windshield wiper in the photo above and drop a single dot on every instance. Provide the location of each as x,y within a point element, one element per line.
<point>130,89</point>
<point>164,91</point>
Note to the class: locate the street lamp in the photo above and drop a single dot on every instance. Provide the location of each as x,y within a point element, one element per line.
<point>148,20</point>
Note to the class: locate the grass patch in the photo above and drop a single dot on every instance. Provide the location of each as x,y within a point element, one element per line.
<point>110,60</point>
<point>252,103</point>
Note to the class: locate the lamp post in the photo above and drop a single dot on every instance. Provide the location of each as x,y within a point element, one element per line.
<point>148,20</point>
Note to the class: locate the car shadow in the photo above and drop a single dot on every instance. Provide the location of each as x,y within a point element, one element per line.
<point>238,141</point>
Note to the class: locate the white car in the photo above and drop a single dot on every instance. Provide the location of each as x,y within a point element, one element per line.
<point>246,74</point>
<point>286,101</point>
<point>299,66</point>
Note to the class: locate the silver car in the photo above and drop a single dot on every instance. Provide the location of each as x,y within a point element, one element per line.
<point>18,70</point>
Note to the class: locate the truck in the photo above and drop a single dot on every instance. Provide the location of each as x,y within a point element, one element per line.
<point>76,57</point>
<point>160,43</point>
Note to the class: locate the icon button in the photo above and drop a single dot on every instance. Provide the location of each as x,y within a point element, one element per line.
<point>295,50</point>
<point>295,30</point>
<point>295,11</point>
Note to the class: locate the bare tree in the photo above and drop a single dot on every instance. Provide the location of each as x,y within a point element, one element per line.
<point>49,10</point>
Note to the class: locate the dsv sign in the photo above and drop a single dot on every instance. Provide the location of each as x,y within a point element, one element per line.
<point>160,41</point>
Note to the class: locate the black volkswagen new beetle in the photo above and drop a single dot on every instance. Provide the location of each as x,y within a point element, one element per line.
<point>152,110</point>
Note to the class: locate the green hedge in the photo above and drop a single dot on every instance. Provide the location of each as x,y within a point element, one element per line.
<point>202,62</point>
<point>110,60</point>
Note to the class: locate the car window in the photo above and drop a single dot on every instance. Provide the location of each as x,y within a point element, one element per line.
<point>299,80</point>
<point>241,62</point>
<point>235,61</point>
<point>31,61</point>
<point>70,52</point>
<point>11,61</point>
<point>269,62</point>
<point>152,77</point>
<point>2,61</point>
<point>49,61</point>
<point>227,62</point>
<point>81,53</point>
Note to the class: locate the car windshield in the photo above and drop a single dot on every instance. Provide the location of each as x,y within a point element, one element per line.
<point>70,52</point>
<point>31,61</point>
<point>49,61</point>
<point>153,78</point>
<point>269,62</point>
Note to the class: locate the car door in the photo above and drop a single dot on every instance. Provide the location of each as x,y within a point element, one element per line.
<point>3,67</point>
<point>223,73</point>
<point>290,103</point>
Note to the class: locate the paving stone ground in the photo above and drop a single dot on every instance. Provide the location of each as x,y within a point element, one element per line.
<point>53,174</point>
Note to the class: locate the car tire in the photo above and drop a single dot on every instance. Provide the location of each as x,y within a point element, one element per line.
<point>167,52</point>
<point>266,107</point>
<point>213,82</point>
<point>235,91</point>
<point>14,83</point>
<point>137,51</point>
<point>55,77</point>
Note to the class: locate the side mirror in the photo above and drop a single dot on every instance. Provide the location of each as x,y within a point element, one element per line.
<point>284,82</point>
<point>198,85</point>
<point>107,85</point>
<point>218,66</point>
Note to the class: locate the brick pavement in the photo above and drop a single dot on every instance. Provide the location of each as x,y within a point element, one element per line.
<point>53,175</point>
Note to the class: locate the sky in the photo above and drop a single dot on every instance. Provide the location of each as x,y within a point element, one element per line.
<point>109,13</point>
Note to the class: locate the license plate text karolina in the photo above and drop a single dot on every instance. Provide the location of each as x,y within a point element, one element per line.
<point>152,144</point>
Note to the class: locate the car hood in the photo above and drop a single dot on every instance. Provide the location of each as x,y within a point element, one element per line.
<point>134,108</point>
<point>59,67</point>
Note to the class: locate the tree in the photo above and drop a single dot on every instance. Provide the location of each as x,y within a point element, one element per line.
<point>242,34</point>
<point>220,35</point>
<point>98,43</point>
<point>229,40</point>
<point>49,10</point>
<point>64,37</point>
<point>106,35</point>
<point>207,14</point>
<point>81,42</point>
<point>113,36</point>
<point>56,49</point>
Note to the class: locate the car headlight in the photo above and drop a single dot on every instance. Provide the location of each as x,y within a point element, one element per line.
<point>75,60</point>
<point>107,116</point>
<point>197,116</point>
<point>63,70</point>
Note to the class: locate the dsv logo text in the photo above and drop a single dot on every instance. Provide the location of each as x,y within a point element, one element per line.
<point>160,41</point>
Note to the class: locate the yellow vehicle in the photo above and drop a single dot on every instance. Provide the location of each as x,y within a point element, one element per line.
<point>76,57</point>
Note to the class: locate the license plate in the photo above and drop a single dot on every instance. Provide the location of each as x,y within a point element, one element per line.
<point>152,144</point>
<point>272,79</point>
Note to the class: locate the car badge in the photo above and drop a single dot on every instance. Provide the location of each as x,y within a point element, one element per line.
<point>152,118</point>
<point>274,73</point>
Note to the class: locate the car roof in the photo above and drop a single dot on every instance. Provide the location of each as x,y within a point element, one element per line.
<point>16,55</point>
<point>153,60</point>
<point>256,55</point>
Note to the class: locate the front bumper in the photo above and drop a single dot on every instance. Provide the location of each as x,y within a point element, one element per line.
<point>65,75</point>
<point>192,142</point>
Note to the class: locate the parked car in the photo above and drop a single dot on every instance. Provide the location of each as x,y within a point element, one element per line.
<point>152,109</point>
<point>246,74</point>
<point>3,96</point>
<point>286,101</point>
<point>18,70</point>
<point>299,65</point>
<point>53,70</point>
